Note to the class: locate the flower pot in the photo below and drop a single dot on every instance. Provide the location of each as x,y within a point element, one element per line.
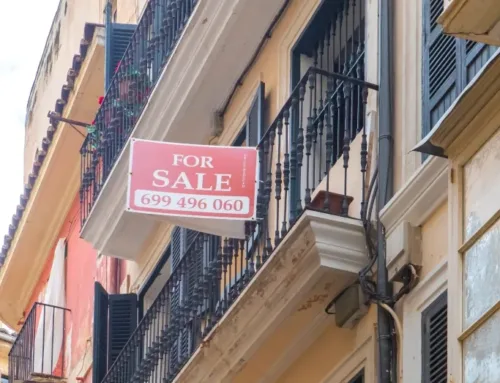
<point>335,202</point>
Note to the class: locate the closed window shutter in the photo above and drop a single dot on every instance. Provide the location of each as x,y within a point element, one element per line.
<point>255,117</point>
<point>122,322</point>
<point>449,64</point>
<point>100,336</point>
<point>441,73</point>
<point>435,341</point>
<point>118,37</point>
<point>476,56</point>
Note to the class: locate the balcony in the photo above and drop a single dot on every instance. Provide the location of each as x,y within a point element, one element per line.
<point>227,298</point>
<point>477,20</point>
<point>37,354</point>
<point>182,63</point>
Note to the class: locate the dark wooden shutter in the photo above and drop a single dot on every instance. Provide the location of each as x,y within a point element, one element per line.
<point>476,56</point>
<point>440,70</point>
<point>100,336</point>
<point>435,341</point>
<point>449,64</point>
<point>255,117</point>
<point>122,323</point>
<point>118,37</point>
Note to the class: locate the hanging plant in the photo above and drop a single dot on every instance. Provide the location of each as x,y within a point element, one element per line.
<point>92,134</point>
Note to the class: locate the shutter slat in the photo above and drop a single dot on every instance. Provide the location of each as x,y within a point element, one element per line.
<point>436,8</point>
<point>121,37</point>
<point>122,322</point>
<point>435,341</point>
<point>442,62</point>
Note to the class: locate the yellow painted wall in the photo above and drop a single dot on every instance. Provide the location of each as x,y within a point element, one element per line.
<point>4,357</point>
<point>129,11</point>
<point>62,43</point>
<point>434,240</point>
<point>337,353</point>
<point>407,98</point>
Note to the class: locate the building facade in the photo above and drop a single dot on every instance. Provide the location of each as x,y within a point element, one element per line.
<point>372,257</point>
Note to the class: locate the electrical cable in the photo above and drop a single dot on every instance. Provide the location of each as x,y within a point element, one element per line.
<point>399,333</point>
<point>369,286</point>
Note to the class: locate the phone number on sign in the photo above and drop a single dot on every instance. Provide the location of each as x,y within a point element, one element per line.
<point>191,202</point>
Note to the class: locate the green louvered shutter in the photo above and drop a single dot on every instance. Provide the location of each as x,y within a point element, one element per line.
<point>118,37</point>
<point>440,72</point>
<point>122,323</point>
<point>100,334</point>
<point>449,64</point>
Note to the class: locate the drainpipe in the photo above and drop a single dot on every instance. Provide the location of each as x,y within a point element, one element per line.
<point>385,148</point>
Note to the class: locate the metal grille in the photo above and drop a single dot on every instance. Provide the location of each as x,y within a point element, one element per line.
<point>150,47</point>
<point>210,272</point>
<point>34,351</point>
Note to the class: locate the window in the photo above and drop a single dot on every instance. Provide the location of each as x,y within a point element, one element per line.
<point>359,378</point>
<point>118,37</point>
<point>480,255</point>
<point>254,126</point>
<point>449,64</point>
<point>435,341</point>
<point>333,41</point>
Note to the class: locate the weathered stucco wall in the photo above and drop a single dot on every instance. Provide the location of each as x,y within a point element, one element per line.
<point>407,98</point>
<point>62,43</point>
<point>434,240</point>
<point>82,269</point>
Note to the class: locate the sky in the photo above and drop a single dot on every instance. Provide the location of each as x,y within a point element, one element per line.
<point>22,40</point>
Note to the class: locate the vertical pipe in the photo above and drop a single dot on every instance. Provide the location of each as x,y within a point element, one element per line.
<point>385,181</point>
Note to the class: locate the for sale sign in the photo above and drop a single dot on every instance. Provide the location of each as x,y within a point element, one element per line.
<point>207,188</point>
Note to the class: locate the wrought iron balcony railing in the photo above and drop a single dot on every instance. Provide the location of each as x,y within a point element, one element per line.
<point>38,351</point>
<point>312,132</point>
<point>151,45</point>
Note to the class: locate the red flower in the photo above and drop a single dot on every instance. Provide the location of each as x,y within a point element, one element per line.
<point>93,122</point>
<point>100,100</point>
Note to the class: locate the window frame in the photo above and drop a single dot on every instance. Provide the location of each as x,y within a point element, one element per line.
<point>430,288</point>
<point>460,153</point>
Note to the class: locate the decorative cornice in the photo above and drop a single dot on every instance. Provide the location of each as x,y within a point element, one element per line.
<point>475,20</point>
<point>478,98</point>
<point>424,192</point>
<point>66,89</point>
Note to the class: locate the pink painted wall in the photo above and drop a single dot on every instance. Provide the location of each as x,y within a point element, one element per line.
<point>82,269</point>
